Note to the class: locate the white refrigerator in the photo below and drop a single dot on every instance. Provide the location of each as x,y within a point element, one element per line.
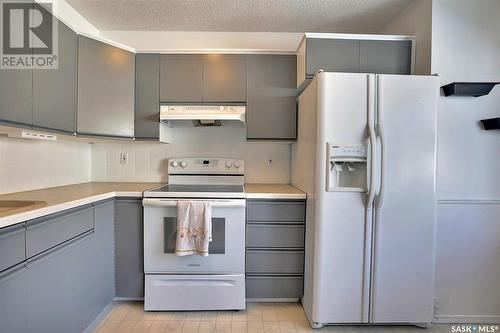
<point>366,157</point>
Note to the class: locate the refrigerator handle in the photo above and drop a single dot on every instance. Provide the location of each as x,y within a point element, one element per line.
<point>380,199</point>
<point>373,158</point>
<point>373,141</point>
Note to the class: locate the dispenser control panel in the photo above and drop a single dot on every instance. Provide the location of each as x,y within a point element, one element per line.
<point>355,152</point>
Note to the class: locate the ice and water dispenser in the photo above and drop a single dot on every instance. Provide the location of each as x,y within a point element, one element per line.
<point>347,167</point>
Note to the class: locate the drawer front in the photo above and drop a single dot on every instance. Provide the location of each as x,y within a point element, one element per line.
<point>47,232</point>
<point>275,262</point>
<point>274,286</point>
<point>276,211</point>
<point>12,246</point>
<point>194,292</point>
<point>275,236</point>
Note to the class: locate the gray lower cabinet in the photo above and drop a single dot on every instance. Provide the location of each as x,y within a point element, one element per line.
<point>106,82</point>
<point>71,284</point>
<point>14,299</point>
<point>54,90</point>
<point>16,100</point>
<point>181,78</point>
<point>275,248</point>
<point>129,248</point>
<point>224,78</point>
<point>65,287</point>
<point>46,232</point>
<point>12,246</point>
<point>271,111</point>
<point>147,96</point>
<point>59,288</point>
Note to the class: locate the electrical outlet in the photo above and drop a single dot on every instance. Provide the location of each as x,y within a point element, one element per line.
<point>270,162</point>
<point>124,158</point>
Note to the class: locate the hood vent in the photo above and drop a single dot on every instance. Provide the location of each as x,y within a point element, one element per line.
<point>202,115</point>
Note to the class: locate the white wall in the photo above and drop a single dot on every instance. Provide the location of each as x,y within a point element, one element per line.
<point>415,20</point>
<point>466,47</point>
<point>29,165</point>
<point>148,161</point>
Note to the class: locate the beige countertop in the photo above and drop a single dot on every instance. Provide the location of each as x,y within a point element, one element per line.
<point>273,191</point>
<point>54,199</point>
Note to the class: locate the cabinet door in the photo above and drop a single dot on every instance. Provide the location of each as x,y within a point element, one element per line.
<point>224,78</point>
<point>60,294</point>
<point>129,249</point>
<point>331,55</point>
<point>385,57</point>
<point>106,76</point>
<point>102,273</point>
<point>54,90</point>
<point>181,78</point>
<point>271,97</point>
<point>14,300</point>
<point>16,100</point>
<point>147,96</point>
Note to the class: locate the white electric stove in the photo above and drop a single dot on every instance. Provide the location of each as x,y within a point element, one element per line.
<point>216,282</point>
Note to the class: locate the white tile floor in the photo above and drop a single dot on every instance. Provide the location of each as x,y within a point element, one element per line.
<point>257,318</point>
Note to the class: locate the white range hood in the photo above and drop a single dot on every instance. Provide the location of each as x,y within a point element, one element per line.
<point>202,115</point>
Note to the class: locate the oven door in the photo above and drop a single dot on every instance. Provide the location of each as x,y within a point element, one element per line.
<point>226,250</point>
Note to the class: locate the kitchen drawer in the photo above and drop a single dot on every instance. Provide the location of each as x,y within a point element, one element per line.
<point>49,231</point>
<point>276,211</point>
<point>274,286</point>
<point>12,246</point>
<point>194,292</point>
<point>274,236</point>
<point>274,262</point>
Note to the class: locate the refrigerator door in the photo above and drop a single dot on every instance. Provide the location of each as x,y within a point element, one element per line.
<point>403,240</point>
<point>340,216</point>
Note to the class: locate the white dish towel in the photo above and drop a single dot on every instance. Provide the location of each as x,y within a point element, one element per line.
<point>194,227</point>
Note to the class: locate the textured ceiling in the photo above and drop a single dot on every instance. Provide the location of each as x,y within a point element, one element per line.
<point>240,15</point>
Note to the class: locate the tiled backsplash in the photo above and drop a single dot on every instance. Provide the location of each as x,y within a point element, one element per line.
<point>147,161</point>
<point>32,164</point>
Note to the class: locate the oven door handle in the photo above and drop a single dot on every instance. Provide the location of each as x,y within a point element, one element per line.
<point>213,203</point>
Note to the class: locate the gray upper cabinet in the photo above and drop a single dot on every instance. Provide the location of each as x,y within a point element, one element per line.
<point>332,55</point>
<point>16,100</point>
<point>54,90</point>
<point>380,55</point>
<point>385,56</point>
<point>106,82</point>
<point>271,97</point>
<point>224,78</point>
<point>181,77</point>
<point>147,96</point>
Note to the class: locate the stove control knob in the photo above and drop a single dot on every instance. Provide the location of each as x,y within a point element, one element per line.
<point>183,164</point>
<point>237,164</point>
<point>174,163</point>
<point>229,164</point>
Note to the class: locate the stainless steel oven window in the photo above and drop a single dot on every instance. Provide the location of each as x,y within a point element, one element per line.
<point>216,246</point>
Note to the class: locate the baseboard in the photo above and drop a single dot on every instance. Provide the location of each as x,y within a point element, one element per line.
<point>272,300</point>
<point>464,319</point>
<point>124,299</point>
<point>97,320</point>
